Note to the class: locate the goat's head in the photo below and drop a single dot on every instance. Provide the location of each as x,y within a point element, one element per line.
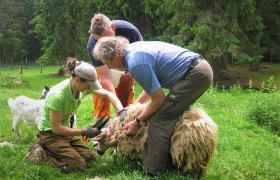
<point>105,140</point>
<point>45,92</point>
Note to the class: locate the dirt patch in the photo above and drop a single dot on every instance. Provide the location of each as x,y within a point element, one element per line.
<point>243,76</point>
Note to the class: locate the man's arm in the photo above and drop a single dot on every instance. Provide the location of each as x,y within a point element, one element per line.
<point>112,97</point>
<point>143,97</point>
<point>157,98</point>
<point>105,79</point>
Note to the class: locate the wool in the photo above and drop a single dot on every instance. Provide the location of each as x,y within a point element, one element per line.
<point>193,141</point>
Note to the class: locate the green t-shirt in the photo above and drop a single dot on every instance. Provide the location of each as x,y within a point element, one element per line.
<point>60,98</point>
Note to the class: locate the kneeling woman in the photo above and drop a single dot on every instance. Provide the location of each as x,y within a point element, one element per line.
<point>61,143</point>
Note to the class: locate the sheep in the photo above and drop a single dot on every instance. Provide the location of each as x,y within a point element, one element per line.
<point>193,142</point>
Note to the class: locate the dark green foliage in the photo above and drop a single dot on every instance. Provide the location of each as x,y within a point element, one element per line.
<point>61,26</point>
<point>223,32</point>
<point>269,10</point>
<point>264,110</point>
<point>11,33</point>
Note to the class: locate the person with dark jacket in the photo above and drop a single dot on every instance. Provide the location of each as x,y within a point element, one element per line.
<point>102,26</point>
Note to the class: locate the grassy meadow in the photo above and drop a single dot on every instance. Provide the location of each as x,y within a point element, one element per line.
<point>245,149</point>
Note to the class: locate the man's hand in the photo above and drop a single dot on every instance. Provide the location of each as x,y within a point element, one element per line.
<point>90,132</point>
<point>132,127</point>
<point>122,114</point>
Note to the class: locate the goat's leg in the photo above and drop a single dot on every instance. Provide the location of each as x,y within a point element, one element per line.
<point>16,121</point>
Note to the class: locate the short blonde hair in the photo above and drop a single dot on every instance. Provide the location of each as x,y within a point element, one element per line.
<point>99,24</point>
<point>107,48</point>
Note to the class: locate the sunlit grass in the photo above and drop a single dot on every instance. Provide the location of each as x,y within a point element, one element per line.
<point>245,150</point>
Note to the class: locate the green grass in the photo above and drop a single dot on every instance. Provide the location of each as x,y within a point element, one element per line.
<point>245,150</point>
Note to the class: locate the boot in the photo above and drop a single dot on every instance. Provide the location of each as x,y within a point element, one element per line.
<point>36,154</point>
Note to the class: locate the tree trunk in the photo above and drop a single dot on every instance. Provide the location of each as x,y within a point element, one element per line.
<point>271,54</point>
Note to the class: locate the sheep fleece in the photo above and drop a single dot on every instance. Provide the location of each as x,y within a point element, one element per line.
<point>193,141</point>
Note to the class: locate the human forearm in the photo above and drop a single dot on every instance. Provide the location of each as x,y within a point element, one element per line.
<point>66,131</point>
<point>108,85</point>
<point>143,97</point>
<point>115,101</point>
<point>157,100</point>
<point>58,128</point>
<point>111,96</point>
<point>105,78</point>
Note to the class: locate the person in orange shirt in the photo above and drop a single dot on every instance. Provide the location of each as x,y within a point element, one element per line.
<point>102,26</point>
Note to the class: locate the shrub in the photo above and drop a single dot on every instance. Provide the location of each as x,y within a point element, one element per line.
<point>236,89</point>
<point>268,85</point>
<point>264,109</point>
<point>13,82</point>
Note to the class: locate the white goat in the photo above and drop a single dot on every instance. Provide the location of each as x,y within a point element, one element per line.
<point>30,110</point>
<point>27,110</point>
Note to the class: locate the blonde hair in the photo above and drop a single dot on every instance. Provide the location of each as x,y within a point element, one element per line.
<point>107,48</point>
<point>99,24</point>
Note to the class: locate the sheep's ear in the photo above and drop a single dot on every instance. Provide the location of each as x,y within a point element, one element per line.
<point>114,140</point>
<point>98,138</point>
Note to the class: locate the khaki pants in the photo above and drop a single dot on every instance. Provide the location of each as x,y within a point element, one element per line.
<point>160,125</point>
<point>125,93</point>
<point>67,153</point>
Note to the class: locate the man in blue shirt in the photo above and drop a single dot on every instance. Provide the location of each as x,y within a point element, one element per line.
<point>156,65</point>
<point>102,26</point>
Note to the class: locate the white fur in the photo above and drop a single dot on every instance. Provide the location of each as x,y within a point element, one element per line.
<point>25,109</point>
<point>29,111</point>
<point>6,144</point>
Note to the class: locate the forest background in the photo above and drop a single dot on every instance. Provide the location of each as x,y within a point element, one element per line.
<point>224,32</point>
<point>240,38</point>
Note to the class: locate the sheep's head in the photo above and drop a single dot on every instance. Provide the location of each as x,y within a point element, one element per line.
<point>105,140</point>
<point>115,135</point>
